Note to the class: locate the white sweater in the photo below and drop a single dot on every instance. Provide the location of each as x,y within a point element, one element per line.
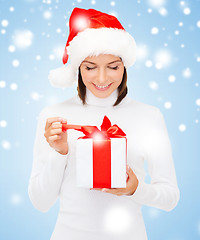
<point>92,214</point>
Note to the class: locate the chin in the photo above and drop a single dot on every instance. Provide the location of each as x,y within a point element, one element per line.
<point>102,94</point>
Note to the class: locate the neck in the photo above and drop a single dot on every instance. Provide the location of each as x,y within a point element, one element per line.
<point>91,99</point>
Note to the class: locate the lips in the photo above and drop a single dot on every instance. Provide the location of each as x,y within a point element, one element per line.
<point>102,88</point>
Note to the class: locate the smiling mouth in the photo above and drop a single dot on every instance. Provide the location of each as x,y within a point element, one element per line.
<point>105,87</point>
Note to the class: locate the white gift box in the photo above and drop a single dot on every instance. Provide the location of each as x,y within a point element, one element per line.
<point>101,163</point>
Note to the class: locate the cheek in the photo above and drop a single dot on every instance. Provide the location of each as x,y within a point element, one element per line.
<point>117,76</point>
<point>86,76</point>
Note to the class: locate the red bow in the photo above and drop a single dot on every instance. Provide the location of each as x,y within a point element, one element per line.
<point>107,130</point>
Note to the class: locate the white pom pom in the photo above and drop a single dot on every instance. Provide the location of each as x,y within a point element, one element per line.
<point>62,77</point>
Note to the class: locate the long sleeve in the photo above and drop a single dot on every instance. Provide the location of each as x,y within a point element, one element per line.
<point>163,191</point>
<point>47,169</point>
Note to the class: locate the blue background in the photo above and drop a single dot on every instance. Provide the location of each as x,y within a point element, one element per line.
<point>25,90</point>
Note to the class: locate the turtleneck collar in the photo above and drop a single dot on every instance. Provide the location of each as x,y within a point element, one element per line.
<point>91,99</point>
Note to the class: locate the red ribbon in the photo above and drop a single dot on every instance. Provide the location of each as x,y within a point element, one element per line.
<point>107,130</point>
<point>101,150</point>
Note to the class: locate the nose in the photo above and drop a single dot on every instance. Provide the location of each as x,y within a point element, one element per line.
<point>102,76</point>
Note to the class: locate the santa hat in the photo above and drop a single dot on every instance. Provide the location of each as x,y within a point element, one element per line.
<point>91,33</point>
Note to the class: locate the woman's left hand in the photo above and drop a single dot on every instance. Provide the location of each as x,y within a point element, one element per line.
<point>131,185</point>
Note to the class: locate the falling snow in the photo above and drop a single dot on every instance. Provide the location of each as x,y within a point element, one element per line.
<point>35,96</point>
<point>15,63</point>
<point>182,127</point>
<point>168,105</point>
<point>180,24</point>
<point>22,38</point>
<point>51,57</point>
<point>198,102</point>
<point>38,57</point>
<point>186,11</point>
<point>2,84</point>
<point>154,30</point>
<point>112,3</point>
<point>163,11</point>
<point>187,73</point>
<point>163,58</point>
<point>6,145</point>
<point>142,52</point>
<point>157,3</point>
<point>4,23</point>
<point>148,63</point>
<point>171,78</point>
<point>12,9</point>
<point>3,31</point>
<point>11,48</point>
<point>47,15</point>
<point>13,86</point>
<point>16,199</point>
<point>3,123</point>
<point>33,35</point>
<point>153,85</point>
<point>113,13</point>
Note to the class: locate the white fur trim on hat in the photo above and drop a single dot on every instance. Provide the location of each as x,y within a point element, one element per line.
<point>63,77</point>
<point>92,42</point>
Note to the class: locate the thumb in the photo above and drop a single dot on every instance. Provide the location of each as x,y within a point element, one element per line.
<point>64,125</point>
<point>127,168</point>
<point>127,171</point>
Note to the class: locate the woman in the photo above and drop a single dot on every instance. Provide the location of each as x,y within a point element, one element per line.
<point>100,51</point>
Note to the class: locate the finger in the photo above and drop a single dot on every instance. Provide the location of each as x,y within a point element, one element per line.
<point>49,121</point>
<point>129,171</point>
<point>54,138</point>
<point>96,189</point>
<point>56,125</point>
<point>127,177</point>
<point>55,131</point>
<point>111,190</point>
<point>118,193</point>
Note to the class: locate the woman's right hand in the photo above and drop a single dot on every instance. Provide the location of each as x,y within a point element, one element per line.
<point>54,135</point>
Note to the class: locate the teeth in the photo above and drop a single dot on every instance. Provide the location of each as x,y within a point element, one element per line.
<point>102,86</point>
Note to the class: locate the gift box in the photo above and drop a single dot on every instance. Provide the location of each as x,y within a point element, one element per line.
<point>101,156</point>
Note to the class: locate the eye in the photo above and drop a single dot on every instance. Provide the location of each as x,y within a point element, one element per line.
<point>88,68</point>
<point>115,68</point>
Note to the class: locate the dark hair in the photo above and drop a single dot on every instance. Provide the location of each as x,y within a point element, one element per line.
<point>122,89</point>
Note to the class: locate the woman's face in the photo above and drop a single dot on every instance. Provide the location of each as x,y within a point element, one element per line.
<point>102,74</point>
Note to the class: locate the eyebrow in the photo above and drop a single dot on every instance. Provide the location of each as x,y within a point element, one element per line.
<point>108,63</point>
